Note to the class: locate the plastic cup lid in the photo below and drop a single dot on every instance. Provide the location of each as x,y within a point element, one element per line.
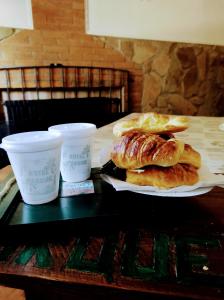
<point>31,141</point>
<point>74,129</point>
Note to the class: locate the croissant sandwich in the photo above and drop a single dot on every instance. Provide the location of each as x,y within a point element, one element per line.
<point>164,178</point>
<point>136,149</point>
<point>153,123</point>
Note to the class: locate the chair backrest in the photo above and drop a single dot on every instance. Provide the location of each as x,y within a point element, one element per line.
<point>68,93</point>
<point>43,113</point>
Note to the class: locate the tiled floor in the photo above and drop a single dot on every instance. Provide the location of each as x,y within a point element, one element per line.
<point>11,294</point>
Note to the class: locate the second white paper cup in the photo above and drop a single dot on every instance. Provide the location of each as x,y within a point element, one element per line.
<point>76,150</point>
<point>35,160</point>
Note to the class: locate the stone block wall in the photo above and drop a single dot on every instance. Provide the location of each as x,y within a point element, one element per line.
<point>178,78</point>
<point>166,77</point>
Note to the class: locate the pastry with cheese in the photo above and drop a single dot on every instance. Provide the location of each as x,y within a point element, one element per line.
<point>152,123</point>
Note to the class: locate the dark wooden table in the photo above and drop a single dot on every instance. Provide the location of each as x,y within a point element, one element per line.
<point>117,245</point>
<point>125,246</point>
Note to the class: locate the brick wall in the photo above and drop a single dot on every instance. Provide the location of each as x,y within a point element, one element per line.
<point>175,78</point>
<point>59,37</point>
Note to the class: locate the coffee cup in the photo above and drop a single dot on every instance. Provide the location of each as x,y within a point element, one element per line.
<point>35,160</point>
<point>76,150</point>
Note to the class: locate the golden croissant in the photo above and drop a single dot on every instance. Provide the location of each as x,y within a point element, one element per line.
<point>153,123</point>
<point>180,174</point>
<point>135,149</point>
<point>190,156</point>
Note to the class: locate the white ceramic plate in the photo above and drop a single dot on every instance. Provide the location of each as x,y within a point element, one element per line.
<point>197,192</point>
<point>206,182</point>
<point>154,191</point>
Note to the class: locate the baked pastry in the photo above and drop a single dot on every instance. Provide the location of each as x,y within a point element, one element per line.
<point>190,156</point>
<point>136,149</point>
<point>153,123</point>
<point>164,178</point>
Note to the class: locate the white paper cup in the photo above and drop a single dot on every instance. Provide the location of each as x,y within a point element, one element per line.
<point>35,160</point>
<point>76,150</point>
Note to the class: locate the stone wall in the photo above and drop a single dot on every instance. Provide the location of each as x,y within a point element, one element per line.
<point>178,78</point>
<point>166,77</point>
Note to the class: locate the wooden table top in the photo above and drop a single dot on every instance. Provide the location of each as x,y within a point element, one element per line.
<point>157,247</point>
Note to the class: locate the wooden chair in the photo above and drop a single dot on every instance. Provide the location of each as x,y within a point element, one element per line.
<point>37,97</point>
